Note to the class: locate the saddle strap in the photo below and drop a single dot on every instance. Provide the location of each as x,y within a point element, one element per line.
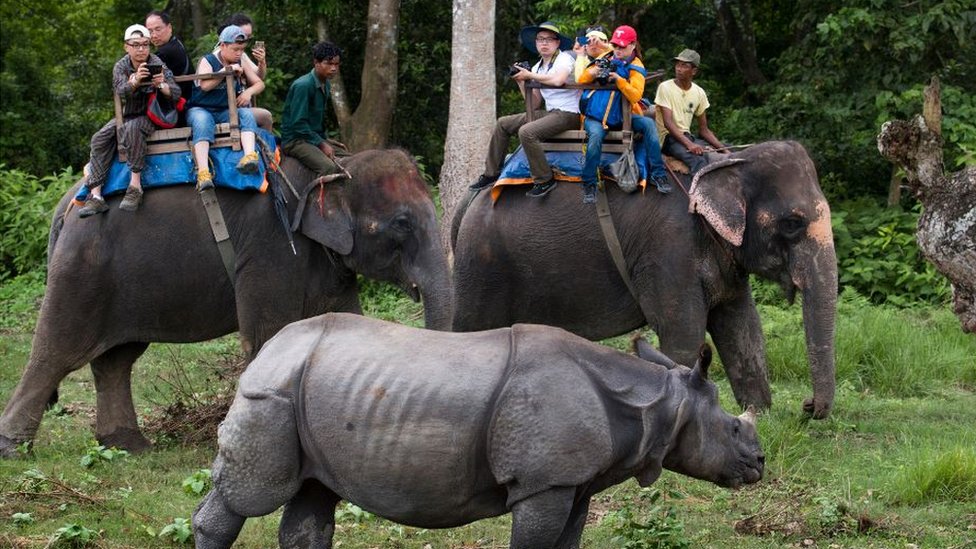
<point>610,236</point>
<point>219,228</point>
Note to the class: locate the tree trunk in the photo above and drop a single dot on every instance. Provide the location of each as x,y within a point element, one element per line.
<point>741,39</point>
<point>947,227</point>
<point>199,21</point>
<point>471,115</point>
<point>369,126</point>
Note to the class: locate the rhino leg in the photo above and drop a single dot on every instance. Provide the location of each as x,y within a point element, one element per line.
<point>215,526</point>
<point>539,520</point>
<point>309,518</point>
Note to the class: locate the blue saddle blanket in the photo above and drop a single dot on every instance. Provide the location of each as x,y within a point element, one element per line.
<point>177,168</point>
<point>566,166</point>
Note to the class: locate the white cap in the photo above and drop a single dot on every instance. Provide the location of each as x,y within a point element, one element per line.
<point>134,31</point>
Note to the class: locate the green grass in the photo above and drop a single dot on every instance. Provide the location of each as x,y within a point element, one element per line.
<point>893,467</point>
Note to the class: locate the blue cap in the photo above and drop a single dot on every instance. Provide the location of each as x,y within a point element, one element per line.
<point>232,34</point>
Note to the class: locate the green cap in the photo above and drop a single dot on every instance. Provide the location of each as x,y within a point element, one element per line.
<point>689,56</point>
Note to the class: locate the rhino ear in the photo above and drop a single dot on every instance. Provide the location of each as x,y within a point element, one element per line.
<point>716,194</point>
<point>325,218</point>
<point>699,374</point>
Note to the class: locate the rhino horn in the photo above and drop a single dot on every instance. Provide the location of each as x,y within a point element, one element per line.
<point>749,415</point>
<point>699,374</point>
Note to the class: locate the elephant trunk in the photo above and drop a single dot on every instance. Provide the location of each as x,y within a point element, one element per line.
<point>815,272</point>
<point>429,271</point>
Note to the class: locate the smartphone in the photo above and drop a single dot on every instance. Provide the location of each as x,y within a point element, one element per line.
<point>258,45</point>
<point>154,69</point>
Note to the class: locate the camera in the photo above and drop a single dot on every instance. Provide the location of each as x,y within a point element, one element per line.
<point>154,69</point>
<point>604,67</point>
<point>519,64</point>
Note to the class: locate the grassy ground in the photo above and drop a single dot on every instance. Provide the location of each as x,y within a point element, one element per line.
<point>894,466</point>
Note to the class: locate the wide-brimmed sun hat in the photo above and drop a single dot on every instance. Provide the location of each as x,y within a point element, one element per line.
<point>528,36</point>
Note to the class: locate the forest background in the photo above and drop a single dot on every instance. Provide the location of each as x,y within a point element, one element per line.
<point>893,467</point>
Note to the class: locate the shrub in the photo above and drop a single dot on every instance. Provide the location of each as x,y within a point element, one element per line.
<point>26,205</point>
<point>661,530</point>
<point>878,256</point>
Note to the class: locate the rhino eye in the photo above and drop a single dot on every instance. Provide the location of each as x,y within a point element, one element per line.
<point>735,428</point>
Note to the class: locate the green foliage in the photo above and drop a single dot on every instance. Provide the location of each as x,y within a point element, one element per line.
<point>27,203</point>
<point>73,535</point>
<point>937,475</point>
<point>350,513</point>
<point>179,531</point>
<point>878,256</point>
<point>97,453</point>
<point>22,519</point>
<point>660,530</point>
<point>198,483</point>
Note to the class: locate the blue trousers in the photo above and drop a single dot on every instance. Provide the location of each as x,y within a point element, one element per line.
<point>203,122</point>
<point>647,151</point>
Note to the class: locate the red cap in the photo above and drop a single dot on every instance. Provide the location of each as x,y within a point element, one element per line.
<point>624,36</point>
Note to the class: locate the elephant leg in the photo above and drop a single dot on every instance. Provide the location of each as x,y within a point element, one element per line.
<point>539,521</point>
<point>215,526</point>
<point>23,412</point>
<point>679,323</point>
<point>115,423</point>
<point>573,532</point>
<point>309,518</point>
<point>737,332</point>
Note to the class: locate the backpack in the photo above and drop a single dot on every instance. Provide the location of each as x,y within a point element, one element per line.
<point>605,105</point>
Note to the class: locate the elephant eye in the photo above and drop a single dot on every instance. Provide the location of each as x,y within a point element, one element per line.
<point>401,224</point>
<point>792,226</point>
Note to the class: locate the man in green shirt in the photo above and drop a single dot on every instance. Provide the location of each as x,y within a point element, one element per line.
<point>303,121</point>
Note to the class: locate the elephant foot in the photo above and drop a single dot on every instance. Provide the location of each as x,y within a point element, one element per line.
<point>811,409</point>
<point>130,440</point>
<point>9,448</point>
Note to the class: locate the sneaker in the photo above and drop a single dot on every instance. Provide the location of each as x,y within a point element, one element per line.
<point>661,183</point>
<point>482,182</point>
<point>133,197</point>
<point>204,181</point>
<point>541,189</point>
<point>589,193</point>
<point>249,163</point>
<point>94,205</point>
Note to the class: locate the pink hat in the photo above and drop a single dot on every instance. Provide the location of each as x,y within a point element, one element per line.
<point>624,36</point>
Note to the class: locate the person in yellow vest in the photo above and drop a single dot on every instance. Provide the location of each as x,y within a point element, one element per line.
<point>680,102</point>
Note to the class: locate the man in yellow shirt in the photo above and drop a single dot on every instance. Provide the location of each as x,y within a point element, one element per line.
<point>679,102</point>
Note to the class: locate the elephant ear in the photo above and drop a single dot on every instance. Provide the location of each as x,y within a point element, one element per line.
<point>717,195</point>
<point>325,218</point>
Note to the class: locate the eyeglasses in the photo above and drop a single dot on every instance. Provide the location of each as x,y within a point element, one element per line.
<point>139,46</point>
<point>546,40</point>
<point>619,47</point>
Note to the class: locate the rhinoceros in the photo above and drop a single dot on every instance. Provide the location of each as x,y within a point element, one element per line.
<point>435,430</point>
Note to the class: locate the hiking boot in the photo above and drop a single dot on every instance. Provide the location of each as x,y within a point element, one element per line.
<point>133,197</point>
<point>482,182</point>
<point>589,193</point>
<point>661,182</point>
<point>204,181</point>
<point>249,163</point>
<point>93,205</point>
<point>541,189</point>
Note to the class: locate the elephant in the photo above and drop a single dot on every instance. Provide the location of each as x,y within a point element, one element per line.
<point>435,430</point>
<point>759,211</point>
<point>118,281</point>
